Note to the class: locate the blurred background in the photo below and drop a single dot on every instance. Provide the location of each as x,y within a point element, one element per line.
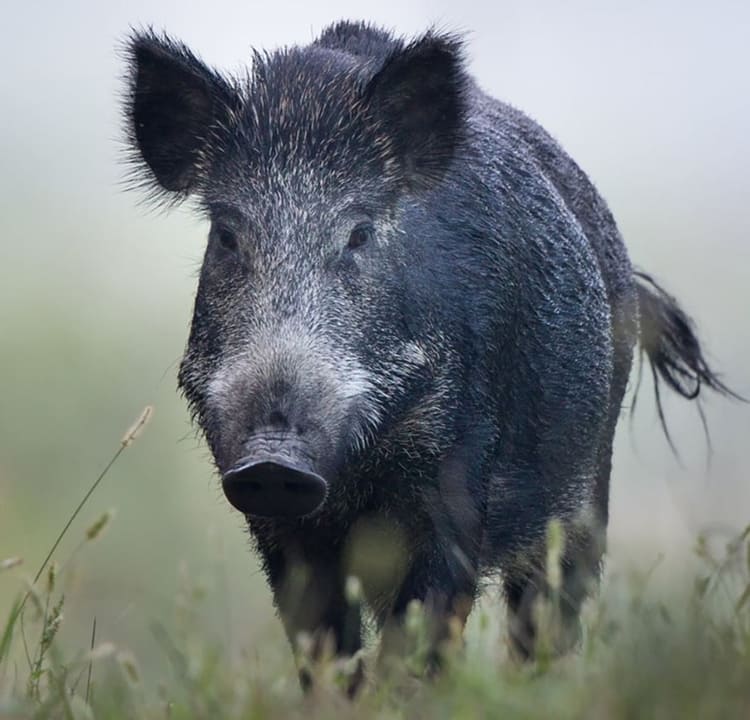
<point>651,99</point>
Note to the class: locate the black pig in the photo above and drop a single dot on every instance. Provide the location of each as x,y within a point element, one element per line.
<point>414,324</point>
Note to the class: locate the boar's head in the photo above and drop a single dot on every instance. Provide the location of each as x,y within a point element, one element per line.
<point>313,331</point>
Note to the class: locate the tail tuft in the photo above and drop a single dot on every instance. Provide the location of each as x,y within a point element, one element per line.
<point>669,340</point>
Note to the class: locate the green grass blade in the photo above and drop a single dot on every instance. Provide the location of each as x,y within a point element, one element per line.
<point>8,629</point>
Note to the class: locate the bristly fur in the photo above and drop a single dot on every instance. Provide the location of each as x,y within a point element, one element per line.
<point>378,92</point>
<point>668,338</point>
<point>403,108</point>
<point>360,38</point>
<point>140,176</point>
<point>411,289</point>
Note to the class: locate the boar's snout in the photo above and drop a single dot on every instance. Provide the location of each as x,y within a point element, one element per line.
<point>279,483</point>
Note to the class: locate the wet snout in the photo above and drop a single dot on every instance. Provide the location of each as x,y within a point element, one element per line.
<point>280,481</point>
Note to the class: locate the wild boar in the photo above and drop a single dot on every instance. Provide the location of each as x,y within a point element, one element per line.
<point>413,329</point>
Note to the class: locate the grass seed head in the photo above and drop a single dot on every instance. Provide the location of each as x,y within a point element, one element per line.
<point>129,667</point>
<point>10,563</point>
<point>555,549</point>
<point>101,651</point>
<point>98,527</point>
<point>353,590</point>
<point>51,577</point>
<point>137,427</point>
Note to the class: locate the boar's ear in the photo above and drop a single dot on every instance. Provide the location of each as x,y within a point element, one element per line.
<point>174,109</point>
<point>418,99</point>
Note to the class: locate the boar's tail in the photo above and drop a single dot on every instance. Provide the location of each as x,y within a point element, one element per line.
<point>667,337</point>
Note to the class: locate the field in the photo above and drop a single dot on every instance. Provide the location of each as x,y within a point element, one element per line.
<point>686,655</point>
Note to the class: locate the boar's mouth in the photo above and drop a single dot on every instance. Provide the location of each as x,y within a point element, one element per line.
<point>278,482</point>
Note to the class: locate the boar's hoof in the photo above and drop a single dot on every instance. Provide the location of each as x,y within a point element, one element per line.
<point>274,487</point>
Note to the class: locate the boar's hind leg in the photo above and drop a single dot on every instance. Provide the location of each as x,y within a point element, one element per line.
<point>525,588</point>
<point>581,563</point>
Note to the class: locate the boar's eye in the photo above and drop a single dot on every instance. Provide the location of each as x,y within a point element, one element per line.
<point>226,237</point>
<point>361,234</point>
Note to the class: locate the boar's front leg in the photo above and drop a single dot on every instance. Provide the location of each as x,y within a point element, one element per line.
<point>443,550</point>
<point>445,583</point>
<point>309,592</point>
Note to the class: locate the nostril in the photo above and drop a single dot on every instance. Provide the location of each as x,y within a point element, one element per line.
<point>277,419</point>
<point>296,487</point>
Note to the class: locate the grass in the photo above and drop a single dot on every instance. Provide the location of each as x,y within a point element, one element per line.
<point>640,656</point>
